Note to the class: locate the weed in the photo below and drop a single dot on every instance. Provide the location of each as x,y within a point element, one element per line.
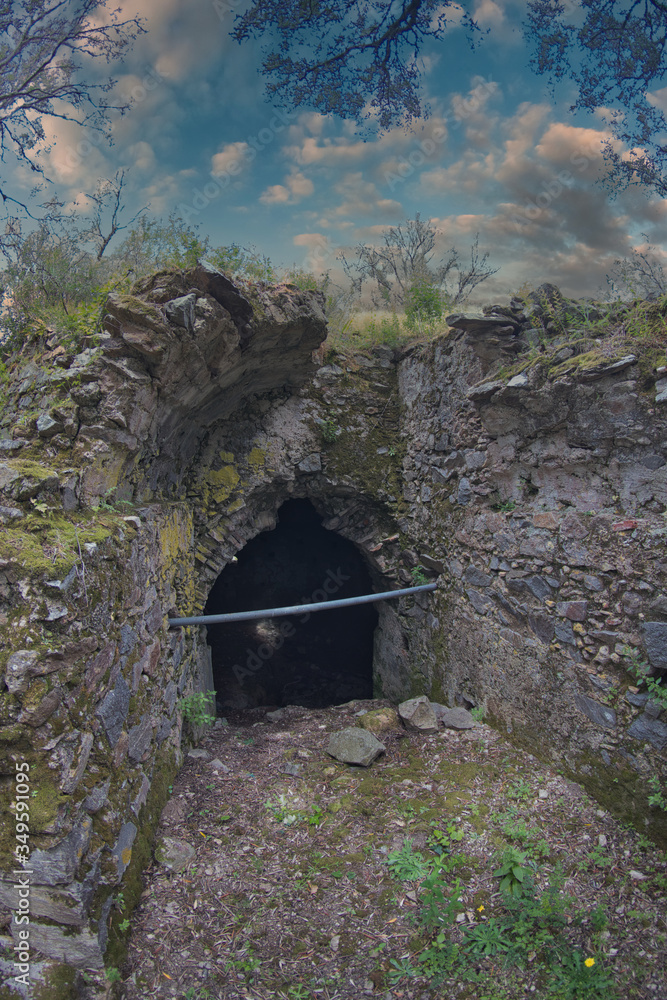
<point>113,975</point>
<point>515,878</point>
<point>504,506</point>
<point>657,799</point>
<point>197,708</point>
<point>478,713</point>
<point>576,978</point>
<point>329,431</point>
<point>403,969</point>
<point>406,864</point>
<point>488,938</point>
<point>419,577</point>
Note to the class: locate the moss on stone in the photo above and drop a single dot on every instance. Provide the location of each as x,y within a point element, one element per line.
<point>222,482</point>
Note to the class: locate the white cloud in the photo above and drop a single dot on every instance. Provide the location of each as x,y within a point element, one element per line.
<point>296,187</point>
<point>231,154</point>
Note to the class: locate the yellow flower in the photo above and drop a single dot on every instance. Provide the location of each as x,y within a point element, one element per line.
<point>589,963</point>
<point>480,908</point>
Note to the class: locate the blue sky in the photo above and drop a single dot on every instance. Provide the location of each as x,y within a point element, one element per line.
<point>498,156</point>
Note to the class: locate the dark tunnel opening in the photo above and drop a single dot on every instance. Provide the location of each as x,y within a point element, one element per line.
<point>315,660</point>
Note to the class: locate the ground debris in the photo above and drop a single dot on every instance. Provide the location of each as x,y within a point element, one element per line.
<point>318,887</point>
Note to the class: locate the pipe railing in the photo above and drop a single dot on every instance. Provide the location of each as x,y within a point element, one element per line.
<point>299,609</point>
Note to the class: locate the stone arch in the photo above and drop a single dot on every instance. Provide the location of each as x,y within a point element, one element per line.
<point>366,523</point>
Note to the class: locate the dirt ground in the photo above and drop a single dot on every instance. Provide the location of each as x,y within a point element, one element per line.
<point>295,889</point>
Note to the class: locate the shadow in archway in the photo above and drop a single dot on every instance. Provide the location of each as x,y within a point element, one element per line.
<point>313,660</point>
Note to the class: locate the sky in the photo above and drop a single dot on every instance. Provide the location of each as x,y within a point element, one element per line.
<point>499,156</point>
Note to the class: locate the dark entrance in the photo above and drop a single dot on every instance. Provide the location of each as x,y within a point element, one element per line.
<point>314,660</point>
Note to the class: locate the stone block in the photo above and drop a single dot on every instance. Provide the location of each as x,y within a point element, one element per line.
<point>597,713</point>
<point>58,865</point>
<point>418,715</point>
<point>355,746</point>
<point>655,637</point>
<point>113,710</point>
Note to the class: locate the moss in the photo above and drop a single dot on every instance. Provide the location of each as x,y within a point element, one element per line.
<point>61,981</point>
<point>257,459</point>
<point>132,884</point>
<point>223,482</point>
<point>33,470</point>
<point>50,544</point>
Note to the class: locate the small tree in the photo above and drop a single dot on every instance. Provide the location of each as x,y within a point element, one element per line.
<point>640,276</point>
<point>42,46</point>
<point>405,274</point>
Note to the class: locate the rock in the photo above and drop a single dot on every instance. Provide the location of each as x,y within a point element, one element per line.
<point>453,718</point>
<point>576,611</point>
<point>380,720</point>
<point>199,754</point>
<point>649,730</point>
<point>173,853</point>
<point>655,637</point>
<point>140,738</point>
<point>464,495</point>
<point>311,463</point>
<point>20,666</point>
<point>355,746</point>
<point>597,713</point>
<point>47,426</point>
<point>485,390</point>
<point>217,765</point>
<point>606,368</point>
<point>518,382</point>
<point>181,311</point>
<point>276,716</point>
<point>58,865</point>
<point>123,849</point>
<point>10,514</point>
<point>80,950</point>
<point>418,714</point>
<point>113,710</point>
<point>476,578</point>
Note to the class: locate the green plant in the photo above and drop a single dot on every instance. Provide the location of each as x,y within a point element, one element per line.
<point>402,969</point>
<point>440,903</point>
<point>515,877</point>
<point>120,901</point>
<point>329,431</point>
<point>419,577</point>
<point>113,975</point>
<point>489,938</point>
<point>577,978</point>
<point>504,506</point>
<point>124,925</point>
<point>198,708</point>
<point>478,713</point>
<point>407,864</point>
<point>657,799</point>
<point>520,790</point>
<point>282,809</point>
<point>641,671</point>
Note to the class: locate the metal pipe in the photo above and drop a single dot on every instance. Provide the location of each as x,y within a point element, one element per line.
<point>299,609</point>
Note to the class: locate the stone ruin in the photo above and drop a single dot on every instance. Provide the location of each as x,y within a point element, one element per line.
<point>156,473</point>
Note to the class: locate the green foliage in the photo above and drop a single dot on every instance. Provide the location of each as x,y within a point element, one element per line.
<point>657,799</point>
<point>284,812</point>
<point>419,577</point>
<point>575,978</point>
<point>515,877</point>
<point>407,864</point>
<point>198,708</point>
<point>113,975</point>
<point>487,938</point>
<point>641,671</point>
<point>423,304</point>
<point>329,431</point>
<point>478,713</point>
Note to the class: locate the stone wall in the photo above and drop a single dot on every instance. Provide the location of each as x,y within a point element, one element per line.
<point>138,467</point>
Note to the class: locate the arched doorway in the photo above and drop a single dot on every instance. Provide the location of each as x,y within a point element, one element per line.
<point>313,660</point>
